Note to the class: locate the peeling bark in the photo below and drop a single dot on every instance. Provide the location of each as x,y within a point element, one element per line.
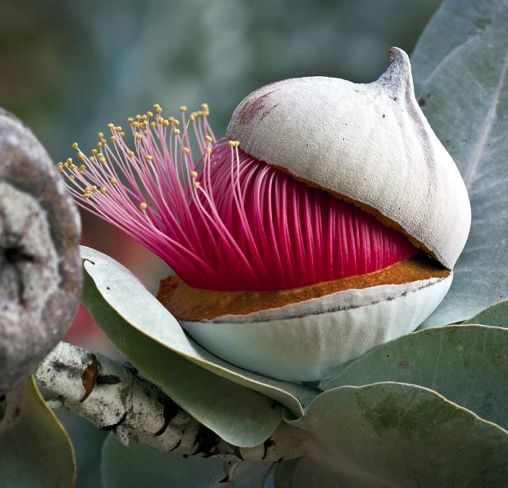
<point>40,270</point>
<point>118,399</point>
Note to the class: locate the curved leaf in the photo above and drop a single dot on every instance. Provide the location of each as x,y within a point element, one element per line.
<point>393,434</point>
<point>496,314</point>
<point>460,69</point>
<point>140,465</point>
<point>144,313</point>
<point>87,440</point>
<point>35,449</point>
<point>468,364</point>
<point>238,415</point>
<point>212,390</point>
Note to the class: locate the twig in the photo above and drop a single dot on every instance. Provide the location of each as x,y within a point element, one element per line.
<point>115,397</point>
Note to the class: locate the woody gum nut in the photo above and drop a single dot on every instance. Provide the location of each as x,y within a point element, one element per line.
<point>371,145</point>
<point>40,272</point>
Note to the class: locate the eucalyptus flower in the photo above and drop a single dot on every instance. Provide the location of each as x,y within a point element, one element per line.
<point>326,222</point>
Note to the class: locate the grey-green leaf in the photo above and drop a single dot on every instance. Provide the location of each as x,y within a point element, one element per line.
<point>114,282</point>
<point>35,451</point>
<point>398,435</point>
<point>496,314</point>
<point>468,364</point>
<point>219,395</point>
<point>239,415</point>
<point>460,67</point>
<point>139,465</point>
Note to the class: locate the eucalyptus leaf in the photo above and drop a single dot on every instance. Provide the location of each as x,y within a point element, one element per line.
<point>127,295</point>
<point>468,364</point>
<point>400,435</point>
<point>460,67</point>
<point>496,314</point>
<point>140,465</point>
<point>219,395</point>
<point>238,415</point>
<point>35,449</point>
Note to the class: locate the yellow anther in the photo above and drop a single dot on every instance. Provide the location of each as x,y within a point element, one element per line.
<point>149,157</point>
<point>192,117</point>
<point>194,174</point>
<point>72,177</point>
<point>69,161</point>
<point>165,123</point>
<point>160,120</point>
<point>204,107</point>
<point>81,156</point>
<point>60,166</point>
<point>100,144</point>
<point>113,181</point>
<point>74,167</point>
<point>200,113</point>
<point>234,143</point>
<point>74,145</point>
<point>183,108</point>
<point>138,136</point>
<point>118,128</point>
<point>149,114</point>
<point>143,206</point>
<point>135,125</point>
<point>94,189</point>
<point>175,122</point>
<point>176,132</point>
<point>157,108</point>
<point>153,125</point>
<point>94,151</point>
<point>86,196</point>
<point>130,154</point>
<point>103,190</point>
<point>138,117</point>
<point>82,168</point>
<point>130,120</point>
<point>111,125</point>
<point>208,138</point>
<point>100,135</point>
<point>208,150</point>
<point>112,139</point>
<point>186,150</point>
<point>196,184</point>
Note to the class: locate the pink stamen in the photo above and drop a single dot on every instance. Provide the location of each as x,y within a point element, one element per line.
<point>226,221</point>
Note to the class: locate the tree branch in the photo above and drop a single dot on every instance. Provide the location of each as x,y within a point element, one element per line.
<point>115,397</point>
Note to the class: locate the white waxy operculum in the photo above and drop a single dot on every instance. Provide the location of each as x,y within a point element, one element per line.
<point>370,143</point>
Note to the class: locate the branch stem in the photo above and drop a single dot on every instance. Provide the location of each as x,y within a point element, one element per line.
<point>115,397</point>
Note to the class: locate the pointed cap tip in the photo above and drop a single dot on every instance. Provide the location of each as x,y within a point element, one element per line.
<point>398,76</point>
<point>398,55</point>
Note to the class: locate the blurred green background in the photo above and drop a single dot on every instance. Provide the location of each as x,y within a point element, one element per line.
<point>68,67</point>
